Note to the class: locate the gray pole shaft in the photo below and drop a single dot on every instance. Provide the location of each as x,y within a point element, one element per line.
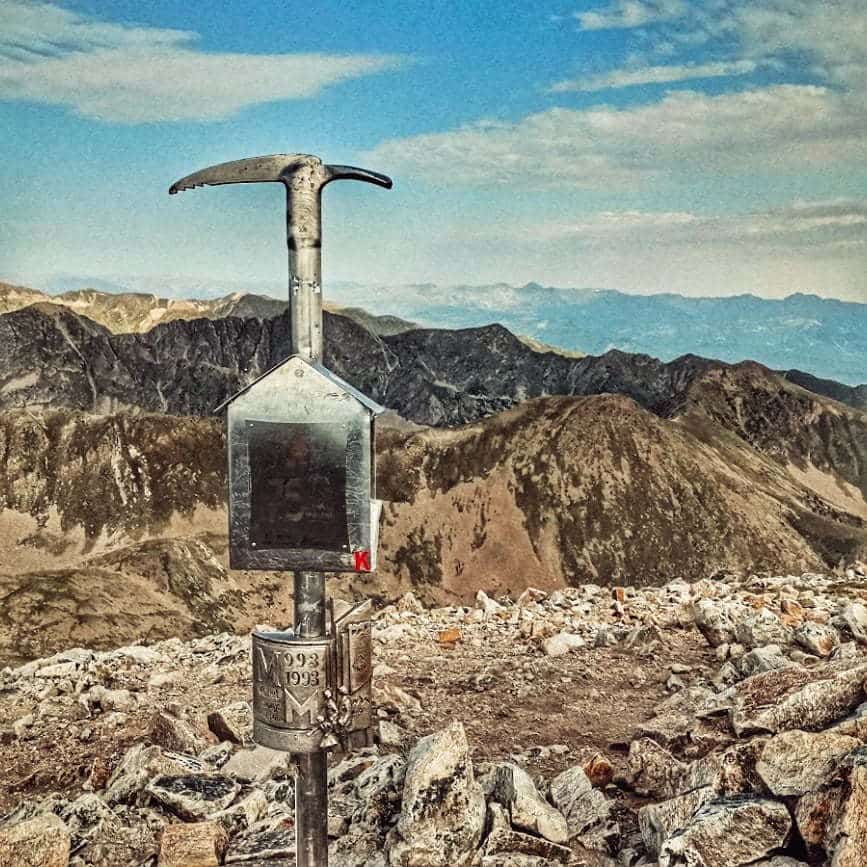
<point>304,237</point>
<point>311,779</point>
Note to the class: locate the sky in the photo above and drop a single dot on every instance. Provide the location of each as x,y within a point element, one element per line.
<point>708,148</point>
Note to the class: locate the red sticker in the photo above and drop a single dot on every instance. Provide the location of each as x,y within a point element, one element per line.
<point>362,560</point>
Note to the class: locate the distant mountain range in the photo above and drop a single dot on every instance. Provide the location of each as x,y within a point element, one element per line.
<point>826,337</point>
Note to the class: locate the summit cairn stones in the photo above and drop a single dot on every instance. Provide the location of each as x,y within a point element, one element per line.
<point>43,841</point>
<point>443,813</point>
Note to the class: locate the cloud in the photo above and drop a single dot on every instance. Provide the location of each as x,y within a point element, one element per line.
<point>765,129</point>
<point>135,74</point>
<point>654,75</point>
<point>631,13</point>
<point>816,223</point>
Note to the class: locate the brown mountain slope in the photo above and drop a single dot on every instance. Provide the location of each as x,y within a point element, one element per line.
<point>556,491</point>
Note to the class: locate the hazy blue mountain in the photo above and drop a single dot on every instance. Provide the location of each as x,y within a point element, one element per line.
<point>826,337</point>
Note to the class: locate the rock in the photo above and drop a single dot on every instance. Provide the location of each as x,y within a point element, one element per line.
<point>193,797</point>
<point>764,627</point>
<point>528,811</point>
<point>848,844</point>
<point>714,621</point>
<point>817,639</point>
<point>175,734</point>
<point>137,653</point>
<point>256,764</point>
<point>390,734</point>
<point>561,644</point>
<point>729,832</point>
<point>260,847</point>
<point>599,770</point>
<point>42,841</point>
<point>675,721</point>
<point>816,813</point>
<point>139,764</point>
<point>490,607</point>
<point>388,694</point>
<point>449,636</point>
<point>854,616</point>
<point>233,722</point>
<point>581,805</point>
<point>410,602</point>
<point>443,812</point>
<point>530,596</point>
<point>796,762</point>
<point>378,793</point>
<point>761,659</point>
<point>98,699</point>
<point>652,770</point>
<point>796,698</point>
<point>658,822</point>
<point>502,839</point>
<point>201,844</point>
<point>779,861</point>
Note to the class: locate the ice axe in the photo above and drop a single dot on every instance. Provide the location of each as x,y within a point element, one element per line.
<point>304,176</point>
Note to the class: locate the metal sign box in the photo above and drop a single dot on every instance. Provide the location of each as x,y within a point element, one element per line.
<point>302,472</point>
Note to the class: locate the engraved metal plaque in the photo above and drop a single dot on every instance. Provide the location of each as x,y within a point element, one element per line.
<point>290,677</point>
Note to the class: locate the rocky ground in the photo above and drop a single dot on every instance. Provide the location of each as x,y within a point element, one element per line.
<point>713,724</point>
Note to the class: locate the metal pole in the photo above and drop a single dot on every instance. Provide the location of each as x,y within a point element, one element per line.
<point>311,779</point>
<point>304,239</point>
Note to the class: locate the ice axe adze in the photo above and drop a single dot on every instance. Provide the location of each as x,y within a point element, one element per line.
<point>304,176</point>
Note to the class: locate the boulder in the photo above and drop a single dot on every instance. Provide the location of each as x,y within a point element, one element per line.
<point>796,698</point>
<point>760,659</point>
<point>796,762</point>
<point>848,844</point>
<point>817,639</point>
<point>729,832</point>
<point>854,616</point>
<point>527,809</point>
<point>562,643</point>
<point>139,764</point>
<point>233,722</point>
<point>175,734</point>
<point>502,839</point>
<point>764,627</point>
<point>193,797</point>
<point>651,770</point>
<point>658,822</point>
<point>200,844</point>
<point>263,847</point>
<point>715,621</point>
<point>443,813</point>
<point>581,805</point>
<point>256,764</point>
<point>42,841</point>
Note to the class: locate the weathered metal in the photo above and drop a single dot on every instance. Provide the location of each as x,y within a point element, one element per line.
<point>302,498</point>
<point>304,177</point>
<point>301,475</point>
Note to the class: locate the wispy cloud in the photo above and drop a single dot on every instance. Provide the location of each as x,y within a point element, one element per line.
<point>817,223</point>
<point>631,13</point>
<point>137,74</point>
<point>770,129</point>
<point>654,75</point>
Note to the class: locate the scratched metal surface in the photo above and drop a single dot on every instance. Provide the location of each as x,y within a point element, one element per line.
<point>297,392</point>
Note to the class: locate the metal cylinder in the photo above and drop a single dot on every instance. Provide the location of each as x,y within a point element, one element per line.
<point>311,779</point>
<point>304,238</point>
